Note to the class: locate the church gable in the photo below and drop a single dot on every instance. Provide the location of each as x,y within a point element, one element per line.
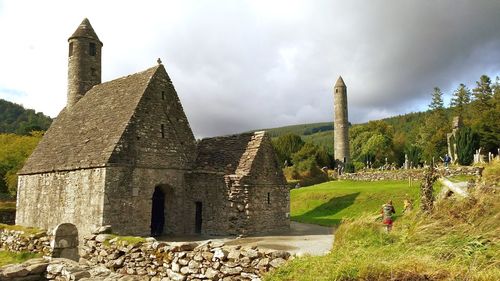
<point>158,134</point>
<point>86,135</point>
<point>265,168</point>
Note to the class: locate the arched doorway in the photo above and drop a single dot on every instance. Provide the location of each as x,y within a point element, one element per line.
<point>157,212</point>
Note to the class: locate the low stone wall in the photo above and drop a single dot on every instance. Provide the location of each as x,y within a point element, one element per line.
<point>8,217</point>
<point>415,174</point>
<point>181,261</point>
<point>18,241</point>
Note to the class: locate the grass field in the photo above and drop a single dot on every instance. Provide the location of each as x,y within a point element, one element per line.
<point>458,241</point>
<point>328,203</point>
<point>10,257</point>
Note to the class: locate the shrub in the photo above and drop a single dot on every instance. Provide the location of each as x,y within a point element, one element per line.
<point>467,143</point>
<point>349,167</point>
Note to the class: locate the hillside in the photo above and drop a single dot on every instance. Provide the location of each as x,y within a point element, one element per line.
<point>16,119</point>
<point>457,241</point>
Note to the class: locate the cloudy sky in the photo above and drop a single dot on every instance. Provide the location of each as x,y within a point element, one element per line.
<point>241,65</point>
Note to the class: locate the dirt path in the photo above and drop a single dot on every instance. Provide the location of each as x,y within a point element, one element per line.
<point>301,239</point>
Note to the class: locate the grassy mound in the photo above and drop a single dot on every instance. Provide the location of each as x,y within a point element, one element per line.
<point>458,241</point>
<point>328,203</point>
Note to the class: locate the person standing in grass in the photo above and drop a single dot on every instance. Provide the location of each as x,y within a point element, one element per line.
<point>387,212</point>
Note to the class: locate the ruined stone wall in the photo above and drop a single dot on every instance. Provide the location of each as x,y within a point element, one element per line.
<point>209,189</point>
<point>47,199</point>
<point>182,260</point>
<point>269,196</point>
<point>128,200</point>
<point>19,241</point>
<point>415,174</point>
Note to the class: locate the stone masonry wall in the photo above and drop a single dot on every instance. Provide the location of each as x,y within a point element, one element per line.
<point>182,260</point>
<point>48,199</point>
<point>209,189</point>
<point>269,196</point>
<point>105,256</point>
<point>158,134</point>
<point>415,174</point>
<point>18,241</point>
<point>128,204</point>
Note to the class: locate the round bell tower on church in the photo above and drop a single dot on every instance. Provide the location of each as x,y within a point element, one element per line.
<point>84,62</point>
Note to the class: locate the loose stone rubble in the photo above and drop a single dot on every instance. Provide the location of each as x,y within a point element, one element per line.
<point>415,174</point>
<point>180,261</point>
<point>18,241</point>
<point>108,257</point>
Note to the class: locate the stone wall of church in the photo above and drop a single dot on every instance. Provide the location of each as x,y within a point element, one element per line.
<point>48,199</point>
<point>210,190</point>
<point>128,200</point>
<point>269,196</point>
<point>158,134</point>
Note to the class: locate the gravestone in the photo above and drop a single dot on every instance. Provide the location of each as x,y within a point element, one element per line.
<point>65,242</point>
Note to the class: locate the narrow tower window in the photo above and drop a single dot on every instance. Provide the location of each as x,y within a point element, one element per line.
<point>163,95</point>
<point>92,49</point>
<point>268,198</point>
<point>336,90</point>
<point>162,131</point>
<point>70,49</point>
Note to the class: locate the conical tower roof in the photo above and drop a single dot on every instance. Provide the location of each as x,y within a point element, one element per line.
<point>85,30</point>
<point>340,82</point>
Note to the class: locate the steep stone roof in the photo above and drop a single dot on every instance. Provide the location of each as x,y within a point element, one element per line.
<point>340,82</point>
<point>85,30</point>
<point>232,154</point>
<point>86,135</point>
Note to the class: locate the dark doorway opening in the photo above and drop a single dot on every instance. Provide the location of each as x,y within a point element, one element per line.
<point>197,218</point>
<point>158,212</point>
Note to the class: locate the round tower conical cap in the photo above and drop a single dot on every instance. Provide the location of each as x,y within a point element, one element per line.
<point>340,82</point>
<point>85,30</point>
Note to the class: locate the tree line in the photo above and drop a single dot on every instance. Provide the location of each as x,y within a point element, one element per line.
<point>421,136</point>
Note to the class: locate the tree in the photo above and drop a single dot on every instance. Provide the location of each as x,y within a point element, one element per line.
<point>432,135</point>
<point>414,154</point>
<point>287,145</point>
<point>483,92</point>
<point>467,143</point>
<point>437,100</point>
<point>14,150</point>
<point>461,97</point>
<point>486,113</point>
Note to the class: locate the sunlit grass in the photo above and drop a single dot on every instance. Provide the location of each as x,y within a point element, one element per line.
<point>328,203</point>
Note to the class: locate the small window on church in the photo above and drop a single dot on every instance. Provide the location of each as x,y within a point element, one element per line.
<point>268,198</point>
<point>162,131</point>
<point>92,49</point>
<point>336,90</point>
<point>70,49</point>
<point>163,95</point>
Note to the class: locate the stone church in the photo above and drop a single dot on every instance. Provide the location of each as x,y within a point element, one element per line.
<point>122,153</point>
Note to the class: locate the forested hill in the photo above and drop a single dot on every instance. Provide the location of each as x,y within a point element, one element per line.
<point>16,119</point>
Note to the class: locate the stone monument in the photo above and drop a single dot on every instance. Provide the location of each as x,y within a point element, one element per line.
<point>341,124</point>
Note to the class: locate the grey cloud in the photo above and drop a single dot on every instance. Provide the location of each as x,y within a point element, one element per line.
<point>236,68</point>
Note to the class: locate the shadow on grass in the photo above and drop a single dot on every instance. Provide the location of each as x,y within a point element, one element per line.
<point>334,205</point>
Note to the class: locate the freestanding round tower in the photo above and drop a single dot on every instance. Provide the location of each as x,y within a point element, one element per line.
<point>84,62</point>
<point>341,124</point>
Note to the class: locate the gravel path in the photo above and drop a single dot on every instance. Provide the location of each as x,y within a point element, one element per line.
<point>301,239</point>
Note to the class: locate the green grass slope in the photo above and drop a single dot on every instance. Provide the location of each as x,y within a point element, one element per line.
<point>328,203</point>
<point>459,240</point>
<point>300,129</point>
